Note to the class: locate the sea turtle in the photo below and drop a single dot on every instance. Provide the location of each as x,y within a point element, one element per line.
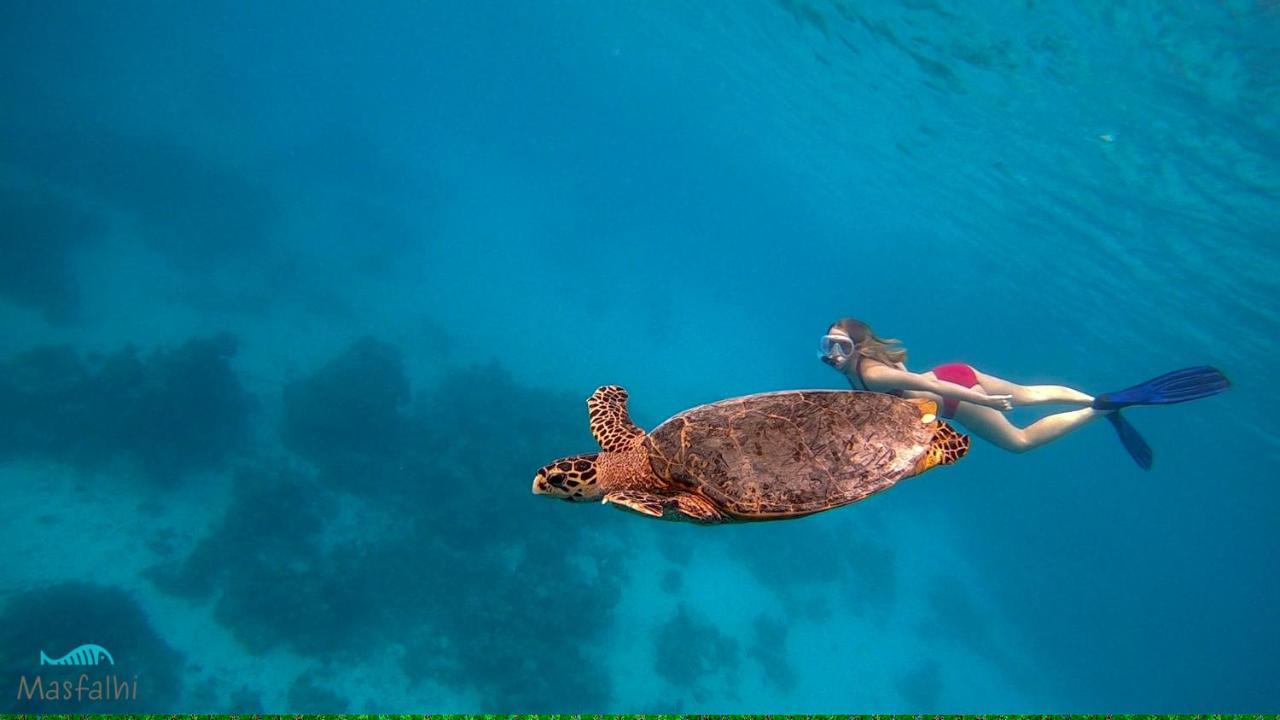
<point>769,456</point>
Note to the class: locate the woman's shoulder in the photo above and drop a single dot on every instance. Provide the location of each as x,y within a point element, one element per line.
<point>873,365</point>
<point>879,374</point>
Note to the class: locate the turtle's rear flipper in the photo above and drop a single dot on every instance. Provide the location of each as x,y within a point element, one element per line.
<point>698,509</point>
<point>610,422</point>
<point>948,446</point>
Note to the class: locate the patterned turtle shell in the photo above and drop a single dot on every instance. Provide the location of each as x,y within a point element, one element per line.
<point>793,453</point>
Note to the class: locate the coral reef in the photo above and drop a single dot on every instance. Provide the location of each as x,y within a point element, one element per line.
<point>414,530</point>
<point>690,651</point>
<point>871,565</point>
<point>190,208</point>
<point>922,687</point>
<point>39,236</point>
<point>954,616</point>
<point>671,581</point>
<point>172,412</point>
<point>795,559</point>
<point>59,618</point>
<point>769,648</point>
<point>305,696</point>
<point>346,418</point>
<point>262,562</point>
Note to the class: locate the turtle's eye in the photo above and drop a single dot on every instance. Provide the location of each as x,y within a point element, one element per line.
<point>556,479</point>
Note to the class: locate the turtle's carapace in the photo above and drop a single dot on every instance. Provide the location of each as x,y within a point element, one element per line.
<point>769,456</point>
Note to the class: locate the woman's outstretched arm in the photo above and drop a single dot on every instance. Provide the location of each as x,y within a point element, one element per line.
<point>882,377</point>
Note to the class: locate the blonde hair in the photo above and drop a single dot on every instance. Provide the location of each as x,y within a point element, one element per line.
<point>867,344</point>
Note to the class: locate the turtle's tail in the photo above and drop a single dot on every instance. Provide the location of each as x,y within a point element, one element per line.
<point>948,446</point>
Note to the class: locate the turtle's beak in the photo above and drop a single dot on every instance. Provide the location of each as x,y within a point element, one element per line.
<point>539,484</point>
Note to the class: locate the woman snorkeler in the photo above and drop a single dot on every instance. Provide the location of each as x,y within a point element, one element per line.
<point>978,401</point>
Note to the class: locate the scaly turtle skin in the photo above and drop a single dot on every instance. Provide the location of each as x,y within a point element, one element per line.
<point>769,456</point>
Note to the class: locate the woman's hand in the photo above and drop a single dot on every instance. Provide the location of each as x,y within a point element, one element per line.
<point>1003,403</point>
<point>838,364</point>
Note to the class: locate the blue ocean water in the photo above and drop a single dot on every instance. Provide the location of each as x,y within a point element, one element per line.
<point>296,297</point>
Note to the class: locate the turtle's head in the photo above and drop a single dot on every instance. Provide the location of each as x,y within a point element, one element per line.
<point>572,478</point>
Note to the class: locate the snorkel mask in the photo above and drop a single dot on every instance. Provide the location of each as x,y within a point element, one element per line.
<point>835,350</point>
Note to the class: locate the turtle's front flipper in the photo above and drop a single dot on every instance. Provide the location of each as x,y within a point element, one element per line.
<point>610,424</point>
<point>641,502</point>
<point>686,505</point>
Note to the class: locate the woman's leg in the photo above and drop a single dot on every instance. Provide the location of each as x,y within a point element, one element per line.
<point>992,425</point>
<point>1033,394</point>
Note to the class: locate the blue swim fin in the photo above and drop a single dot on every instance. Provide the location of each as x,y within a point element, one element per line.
<point>1138,448</point>
<point>1175,387</point>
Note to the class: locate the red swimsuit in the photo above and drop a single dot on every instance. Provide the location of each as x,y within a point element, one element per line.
<point>954,373</point>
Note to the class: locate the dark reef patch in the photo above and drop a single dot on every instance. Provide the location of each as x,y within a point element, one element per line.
<point>273,584</point>
<point>546,611</point>
<point>191,209</point>
<point>244,702</point>
<point>171,412</point>
<point>363,197</point>
<point>954,616</point>
<point>769,648</point>
<point>871,564</point>
<point>677,543</point>
<point>347,419</point>
<point>46,407</point>
<point>671,581</point>
<point>59,618</point>
<point>922,687</point>
<point>476,439</point>
<point>794,560</point>
<point>202,696</point>
<point>305,696</point>
<point>39,234</point>
<point>417,528</point>
<point>232,226</point>
<point>785,558</point>
<point>512,583</point>
<point>690,651</point>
